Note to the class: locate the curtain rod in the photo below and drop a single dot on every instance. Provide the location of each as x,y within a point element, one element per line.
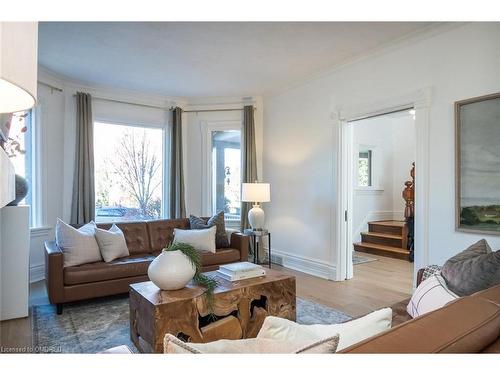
<point>164,108</point>
<point>213,110</point>
<point>50,86</point>
<point>131,103</point>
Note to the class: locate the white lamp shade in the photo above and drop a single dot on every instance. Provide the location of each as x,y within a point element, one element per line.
<point>18,65</point>
<point>255,192</point>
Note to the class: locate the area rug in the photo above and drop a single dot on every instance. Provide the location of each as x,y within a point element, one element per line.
<point>96,325</point>
<point>358,259</point>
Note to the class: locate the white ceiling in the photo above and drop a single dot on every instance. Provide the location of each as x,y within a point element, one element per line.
<point>193,59</point>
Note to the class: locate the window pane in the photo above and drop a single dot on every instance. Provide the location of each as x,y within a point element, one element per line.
<point>365,168</point>
<point>226,172</point>
<point>19,150</point>
<point>128,172</point>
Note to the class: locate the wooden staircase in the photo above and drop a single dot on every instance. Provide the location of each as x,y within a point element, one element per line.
<point>386,238</point>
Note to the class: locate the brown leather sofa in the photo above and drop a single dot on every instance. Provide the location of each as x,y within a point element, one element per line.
<point>145,240</point>
<point>466,325</point>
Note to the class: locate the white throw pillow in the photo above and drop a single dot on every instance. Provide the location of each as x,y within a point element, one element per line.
<point>431,294</point>
<point>79,246</point>
<point>173,345</point>
<point>350,332</point>
<point>111,243</point>
<point>200,239</point>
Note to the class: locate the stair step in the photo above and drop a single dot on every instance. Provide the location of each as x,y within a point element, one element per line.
<point>395,240</point>
<point>386,226</point>
<point>390,223</point>
<point>377,249</point>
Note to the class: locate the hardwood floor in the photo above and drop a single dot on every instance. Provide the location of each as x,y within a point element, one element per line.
<point>375,285</point>
<point>17,333</point>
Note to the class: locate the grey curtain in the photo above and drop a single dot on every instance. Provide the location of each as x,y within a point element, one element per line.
<point>177,204</point>
<point>83,204</point>
<point>249,159</point>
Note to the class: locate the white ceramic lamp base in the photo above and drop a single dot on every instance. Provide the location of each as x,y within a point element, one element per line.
<point>256,217</point>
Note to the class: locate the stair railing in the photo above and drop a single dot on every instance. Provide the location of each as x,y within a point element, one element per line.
<point>409,198</point>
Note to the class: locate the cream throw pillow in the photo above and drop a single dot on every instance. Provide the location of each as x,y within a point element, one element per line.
<point>200,239</point>
<point>79,246</point>
<point>350,332</point>
<point>173,345</point>
<point>431,294</point>
<point>111,243</point>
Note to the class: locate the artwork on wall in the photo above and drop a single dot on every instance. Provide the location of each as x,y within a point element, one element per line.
<point>477,129</point>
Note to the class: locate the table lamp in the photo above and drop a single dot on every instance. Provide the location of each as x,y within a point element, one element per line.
<point>257,193</point>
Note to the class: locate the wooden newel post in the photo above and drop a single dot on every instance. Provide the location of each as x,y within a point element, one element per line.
<point>409,197</point>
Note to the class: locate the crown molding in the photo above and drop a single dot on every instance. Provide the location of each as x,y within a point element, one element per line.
<point>71,85</point>
<point>386,48</point>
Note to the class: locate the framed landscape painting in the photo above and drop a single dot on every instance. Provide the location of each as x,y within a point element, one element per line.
<point>477,123</point>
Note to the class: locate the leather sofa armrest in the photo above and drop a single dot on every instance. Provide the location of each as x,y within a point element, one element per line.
<point>54,266</point>
<point>240,241</point>
<point>420,273</point>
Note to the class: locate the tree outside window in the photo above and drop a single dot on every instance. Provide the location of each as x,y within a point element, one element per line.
<point>128,172</point>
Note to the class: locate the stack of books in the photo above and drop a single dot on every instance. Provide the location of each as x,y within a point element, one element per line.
<point>240,271</point>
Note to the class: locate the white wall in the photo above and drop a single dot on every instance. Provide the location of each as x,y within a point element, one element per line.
<point>57,127</point>
<point>392,138</point>
<point>300,145</point>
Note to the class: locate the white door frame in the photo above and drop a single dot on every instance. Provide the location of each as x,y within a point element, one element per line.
<point>420,100</point>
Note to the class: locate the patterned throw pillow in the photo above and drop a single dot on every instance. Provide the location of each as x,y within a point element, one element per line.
<point>430,270</point>
<point>430,295</point>
<point>221,239</point>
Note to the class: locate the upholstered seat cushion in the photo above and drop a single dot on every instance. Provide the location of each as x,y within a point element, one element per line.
<point>135,265</point>
<point>221,256</point>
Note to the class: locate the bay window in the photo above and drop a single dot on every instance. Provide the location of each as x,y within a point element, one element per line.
<point>129,172</point>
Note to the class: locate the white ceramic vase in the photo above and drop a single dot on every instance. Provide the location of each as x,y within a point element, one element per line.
<point>171,270</point>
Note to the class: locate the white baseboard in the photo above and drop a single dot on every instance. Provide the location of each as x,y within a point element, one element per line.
<point>304,264</point>
<point>37,273</point>
<point>376,216</point>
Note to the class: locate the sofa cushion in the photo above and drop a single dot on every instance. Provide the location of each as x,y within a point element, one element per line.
<point>112,243</point>
<point>78,245</point>
<point>199,239</point>
<point>430,270</point>
<point>466,325</point>
<point>161,232</point>
<point>135,265</point>
<point>221,256</point>
<point>399,313</point>
<point>221,238</point>
<point>173,345</point>
<point>472,270</point>
<point>430,295</point>
<point>136,236</point>
<point>349,332</point>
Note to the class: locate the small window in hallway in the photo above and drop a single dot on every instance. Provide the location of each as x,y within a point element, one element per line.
<point>365,168</point>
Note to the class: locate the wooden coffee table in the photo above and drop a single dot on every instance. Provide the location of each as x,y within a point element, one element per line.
<point>240,308</point>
